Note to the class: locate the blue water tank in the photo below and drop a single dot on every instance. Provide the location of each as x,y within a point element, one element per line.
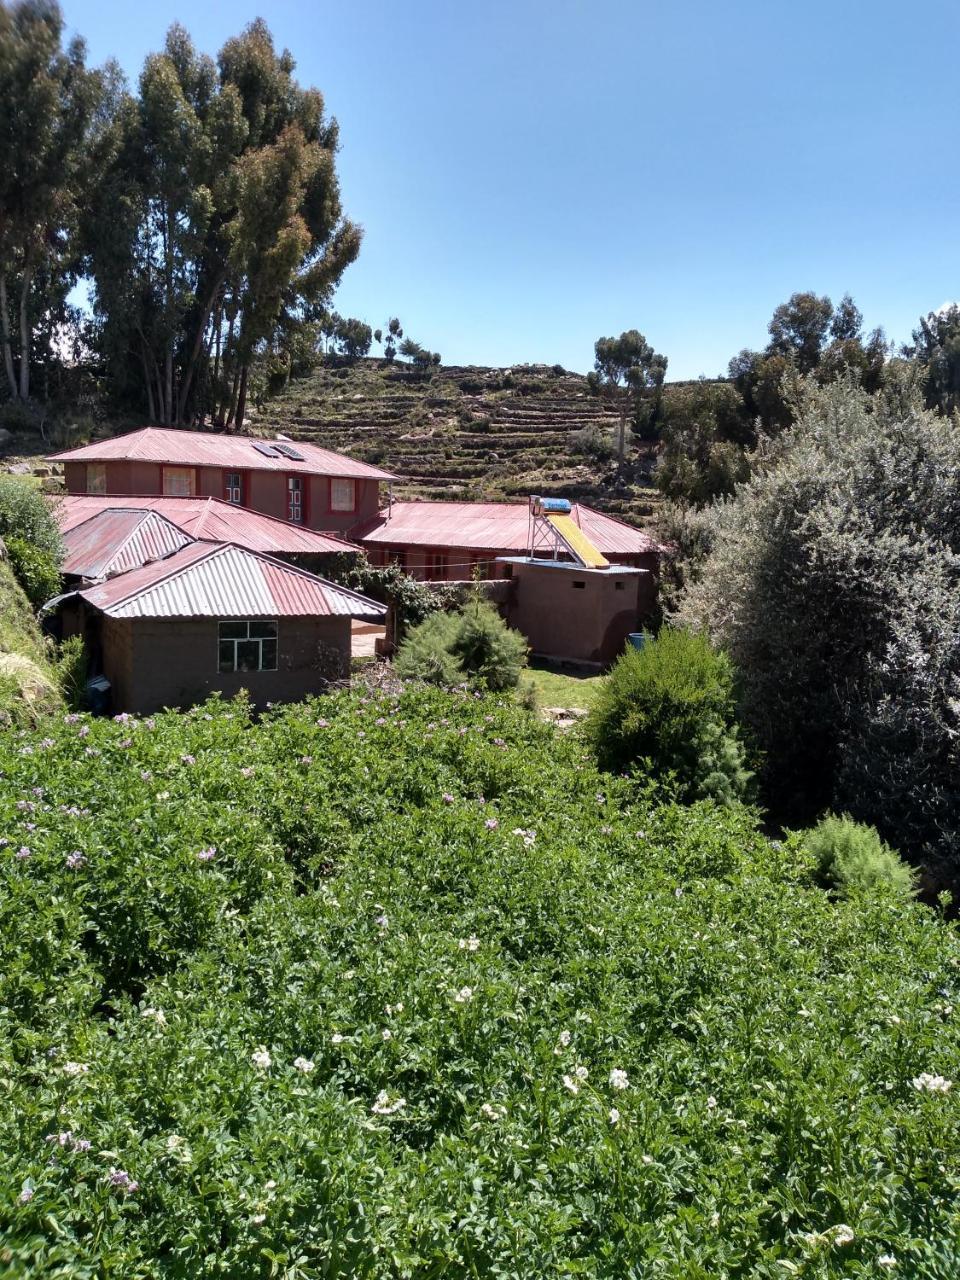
<point>559,505</point>
<point>637,639</point>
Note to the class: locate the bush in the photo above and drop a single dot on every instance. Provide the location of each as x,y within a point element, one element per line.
<point>594,443</point>
<point>25,514</point>
<point>71,673</point>
<point>489,651</point>
<point>426,653</point>
<point>850,856</point>
<point>475,643</point>
<point>668,707</point>
<point>35,570</point>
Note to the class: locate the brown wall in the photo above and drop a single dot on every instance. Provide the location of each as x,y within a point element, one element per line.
<point>420,562</point>
<point>156,663</point>
<point>589,623</point>
<point>264,491</point>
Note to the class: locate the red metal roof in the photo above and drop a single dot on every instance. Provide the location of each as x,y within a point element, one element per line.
<point>499,527</point>
<point>211,519</point>
<point>113,541</point>
<point>212,580</point>
<point>211,449</point>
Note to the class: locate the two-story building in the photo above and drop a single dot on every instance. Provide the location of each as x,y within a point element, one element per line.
<point>290,480</point>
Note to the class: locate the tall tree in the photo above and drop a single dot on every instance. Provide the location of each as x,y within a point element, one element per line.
<point>936,347</point>
<point>625,369</point>
<point>799,328</point>
<point>48,110</point>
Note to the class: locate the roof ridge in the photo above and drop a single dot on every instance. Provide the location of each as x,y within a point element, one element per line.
<point>215,547</point>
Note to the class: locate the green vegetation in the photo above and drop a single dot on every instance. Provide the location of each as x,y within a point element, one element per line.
<point>28,682</point>
<point>668,708</point>
<point>403,987</point>
<point>832,579</point>
<point>563,689</point>
<point>851,856</point>
<point>473,644</point>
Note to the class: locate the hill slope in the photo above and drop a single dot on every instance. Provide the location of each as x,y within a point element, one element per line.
<point>466,432</point>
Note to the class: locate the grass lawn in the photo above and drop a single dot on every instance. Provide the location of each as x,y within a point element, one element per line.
<point>564,688</point>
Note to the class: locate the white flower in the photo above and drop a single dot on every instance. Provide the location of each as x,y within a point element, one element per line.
<point>75,1068</point>
<point>492,1112</point>
<point>469,944</point>
<point>258,1219</point>
<point>841,1234</point>
<point>384,1107</point>
<point>304,1065</point>
<point>337,1038</point>
<point>156,1015</point>
<point>927,1083</point>
<point>614,1115</point>
<point>386,1033</point>
<point>571,1084</point>
<point>581,1072</point>
<point>711,1102</point>
<point>646,1159</point>
<point>261,1058</point>
<point>618,1079</point>
<point>563,1042</point>
<point>463,995</point>
<point>887,1260</point>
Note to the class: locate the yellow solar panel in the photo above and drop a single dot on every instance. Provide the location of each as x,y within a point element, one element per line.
<point>578,542</point>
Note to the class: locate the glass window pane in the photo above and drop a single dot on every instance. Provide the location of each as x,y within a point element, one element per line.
<point>233,631</point>
<point>263,627</point>
<point>248,655</point>
<point>342,493</point>
<point>226,655</point>
<point>269,655</point>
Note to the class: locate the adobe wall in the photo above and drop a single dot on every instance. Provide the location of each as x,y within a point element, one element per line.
<point>573,615</point>
<point>156,663</point>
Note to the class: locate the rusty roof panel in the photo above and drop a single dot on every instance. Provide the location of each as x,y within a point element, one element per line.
<point>500,527</point>
<point>211,449</point>
<point>211,519</point>
<point>210,580</point>
<point>113,541</point>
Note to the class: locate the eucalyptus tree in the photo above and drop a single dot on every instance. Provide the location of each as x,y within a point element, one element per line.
<point>49,112</point>
<point>625,369</point>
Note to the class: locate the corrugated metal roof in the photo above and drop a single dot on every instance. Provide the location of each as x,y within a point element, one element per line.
<point>115,540</point>
<point>499,527</point>
<point>212,519</point>
<point>211,449</point>
<point>211,580</point>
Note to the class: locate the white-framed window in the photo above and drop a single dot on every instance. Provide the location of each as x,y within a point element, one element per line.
<point>96,477</point>
<point>248,644</point>
<point>343,494</point>
<point>233,487</point>
<point>179,482</point>
<point>295,499</point>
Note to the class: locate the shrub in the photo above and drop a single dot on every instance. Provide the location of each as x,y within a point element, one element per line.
<point>489,651</point>
<point>24,514</point>
<point>475,643</point>
<point>668,707</point>
<point>71,673</point>
<point>850,855</point>
<point>426,652</point>
<point>593,442</point>
<point>35,570</point>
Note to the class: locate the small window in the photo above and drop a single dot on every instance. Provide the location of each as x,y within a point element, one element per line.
<point>578,586</point>
<point>232,489</point>
<point>343,494</point>
<point>248,645</point>
<point>619,586</point>
<point>436,564</point>
<point>508,570</point>
<point>295,499</point>
<point>96,477</point>
<point>179,482</point>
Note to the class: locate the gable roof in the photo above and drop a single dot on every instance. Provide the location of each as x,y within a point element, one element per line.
<point>213,449</point>
<point>211,519</point>
<point>113,541</point>
<point>500,527</point>
<point>215,580</point>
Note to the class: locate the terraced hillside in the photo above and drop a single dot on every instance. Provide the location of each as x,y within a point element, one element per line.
<point>467,432</point>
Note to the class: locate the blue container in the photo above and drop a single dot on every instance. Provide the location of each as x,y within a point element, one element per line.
<point>637,639</point>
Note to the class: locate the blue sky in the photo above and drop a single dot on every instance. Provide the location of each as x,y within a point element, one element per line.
<point>533,175</point>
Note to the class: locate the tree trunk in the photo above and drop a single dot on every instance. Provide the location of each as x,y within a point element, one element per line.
<point>5,333</point>
<point>151,409</point>
<point>195,352</point>
<point>25,332</point>
<point>231,407</point>
<point>242,399</point>
<point>622,438</point>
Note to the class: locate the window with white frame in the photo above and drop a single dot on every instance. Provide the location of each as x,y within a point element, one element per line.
<point>248,645</point>
<point>295,499</point>
<point>233,488</point>
<point>96,477</point>
<point>343,494</point>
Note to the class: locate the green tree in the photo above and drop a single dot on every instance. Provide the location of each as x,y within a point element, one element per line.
<point>421,359</point>
<point>936,348</point>
<point>49,104</point>
<point>353,338</point>
<point>625,369</point>
<point>799,329</point>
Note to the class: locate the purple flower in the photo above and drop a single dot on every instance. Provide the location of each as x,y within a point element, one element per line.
<point>26,1195</point>
<point>491,824</point>
<point>380,720</point>
<point>121,1179</point>
<point>323,724</point>
<point>246,772</point>
<point>146,775</point>
<point>306,759</point>
<point>30,826</point>
<point>83,731</point>
<point>75,860</point>
<point>499,742</point>
<point>150,724</point>
<point>382,921</point>
<point>207,855</point>
<point>188,759</point>
<point>23,853</point>
<point>125,744</point>
<point>122,718</point>
<point>47,743</point>
<point>26,806</point>
<point>72,718</point>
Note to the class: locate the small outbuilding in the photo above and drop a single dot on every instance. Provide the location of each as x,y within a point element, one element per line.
<point>215,618</point>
